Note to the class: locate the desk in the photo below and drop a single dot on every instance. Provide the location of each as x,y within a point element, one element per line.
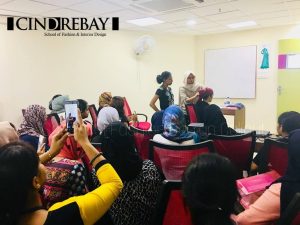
<point>239,115</point>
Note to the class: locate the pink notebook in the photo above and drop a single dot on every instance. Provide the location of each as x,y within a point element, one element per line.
<point>251,188</point>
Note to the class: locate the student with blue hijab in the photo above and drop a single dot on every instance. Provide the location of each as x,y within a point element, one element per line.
<point>175,132</point>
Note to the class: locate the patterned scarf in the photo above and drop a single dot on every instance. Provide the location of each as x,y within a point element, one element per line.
<point>33,121</point>
<point>174,125</point>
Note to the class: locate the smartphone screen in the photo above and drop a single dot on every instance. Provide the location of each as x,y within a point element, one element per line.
<point>71,114</point>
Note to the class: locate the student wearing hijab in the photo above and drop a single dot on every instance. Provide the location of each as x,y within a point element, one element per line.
<point>106,116</point>
<point>175,131</point>
<point>156,121</point>
<point>211,114</point>
<point>189,92</point>
<point>141,179</point>
<point>33,125</point>
<point>7,133</point>
<point>57,105</point>
<point>164,92</point>
<point>267,209</point>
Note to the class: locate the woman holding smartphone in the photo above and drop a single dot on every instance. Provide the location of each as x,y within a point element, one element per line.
<point>24,175</point>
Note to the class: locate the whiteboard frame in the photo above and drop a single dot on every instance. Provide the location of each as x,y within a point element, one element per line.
<point>229,60</point>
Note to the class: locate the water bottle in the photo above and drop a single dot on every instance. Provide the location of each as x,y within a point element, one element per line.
<point>227,101</point>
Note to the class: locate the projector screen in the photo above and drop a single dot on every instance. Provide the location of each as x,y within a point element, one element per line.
<point>231,72</point>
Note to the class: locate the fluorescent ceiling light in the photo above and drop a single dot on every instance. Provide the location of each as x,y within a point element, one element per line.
<point>148,21</point>
<point>241,24</point>
<point>191,23</point>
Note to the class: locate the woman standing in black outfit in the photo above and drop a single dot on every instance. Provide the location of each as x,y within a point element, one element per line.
<point>164,92</point>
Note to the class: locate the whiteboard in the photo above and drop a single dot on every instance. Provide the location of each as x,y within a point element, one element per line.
<point>231,72</point>
<point>293,61</point>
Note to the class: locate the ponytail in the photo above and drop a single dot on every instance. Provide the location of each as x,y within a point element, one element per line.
<point>163,76</point>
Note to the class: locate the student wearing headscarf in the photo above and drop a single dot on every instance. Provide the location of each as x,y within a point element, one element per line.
<point>106,116</point>
<point>104,100</point>
<point>189,92</point>
<point>57,105</point>
<point>267,209</point>
<point>211,114</point>
<point>141,179</point>
<point>33,125</point>
<point>175,131</point>
<point>156,121</point>
<point>8,133</point>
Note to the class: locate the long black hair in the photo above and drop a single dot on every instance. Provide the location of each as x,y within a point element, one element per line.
<point>18,165</point>
<point>209,189</point>
<point>119,149</point>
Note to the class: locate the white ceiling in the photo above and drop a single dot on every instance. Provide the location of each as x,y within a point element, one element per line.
<point>211,16</point>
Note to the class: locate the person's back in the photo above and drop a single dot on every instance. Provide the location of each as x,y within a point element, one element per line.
<point>209,189</point>
<point>141,179</point>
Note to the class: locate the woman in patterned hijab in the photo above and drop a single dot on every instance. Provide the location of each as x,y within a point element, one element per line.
<point>33,124</point>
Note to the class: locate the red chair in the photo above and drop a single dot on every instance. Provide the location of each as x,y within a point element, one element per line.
<point>173,159</point>
<point>141,140</point>
<point>93,113</point>
<point>277,155</point>
<point>140,125</point>
<point>238,148</point>
<point>190,109</point>
<point>51,123</point>
<point>170,208</point>
<point>292,213</point>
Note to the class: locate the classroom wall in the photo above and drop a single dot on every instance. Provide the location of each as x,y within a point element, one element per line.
<point>261,112</point>
<point>34,67</point>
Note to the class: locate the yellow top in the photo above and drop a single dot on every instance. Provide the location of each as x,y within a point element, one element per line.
<point>93,205</point>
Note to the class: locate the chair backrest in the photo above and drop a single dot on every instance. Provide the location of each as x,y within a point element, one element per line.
<point>292,213</point>
<point>173,159</point>
<point>238,148</point>
<point>127,110</point>
<point>51,123</point>
<point>170,208</point>
<point>93,113</point>
<point>190,109</point>
<point>141,140</point>
<point>277,155</point>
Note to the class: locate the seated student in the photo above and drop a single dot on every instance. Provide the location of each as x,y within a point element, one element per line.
<point>211,114</point>
<point>141,179</point>
<point>284,127</point>
<point>268,208</point>
<point>156,121</point>
<point>209,189</point>
<point>106,116</point>
<point>24,175</point>
<point>117,102</point>
<point>175,131</point>
<point>68,171</point>
<point>33,125</point>
<point>7,133</point>
<point>57,105</point>
<point>104,100</point>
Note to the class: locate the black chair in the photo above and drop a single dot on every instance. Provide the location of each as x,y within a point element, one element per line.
<point>291,215</point>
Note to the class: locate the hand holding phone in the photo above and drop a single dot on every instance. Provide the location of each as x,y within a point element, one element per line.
<point>71,114</point>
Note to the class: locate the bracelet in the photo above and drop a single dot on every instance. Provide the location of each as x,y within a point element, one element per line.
<point>50,156</point>
<point>93,160</point>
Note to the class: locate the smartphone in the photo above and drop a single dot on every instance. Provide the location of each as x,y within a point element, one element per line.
<point>71,114</point>
<point>42,141</point>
